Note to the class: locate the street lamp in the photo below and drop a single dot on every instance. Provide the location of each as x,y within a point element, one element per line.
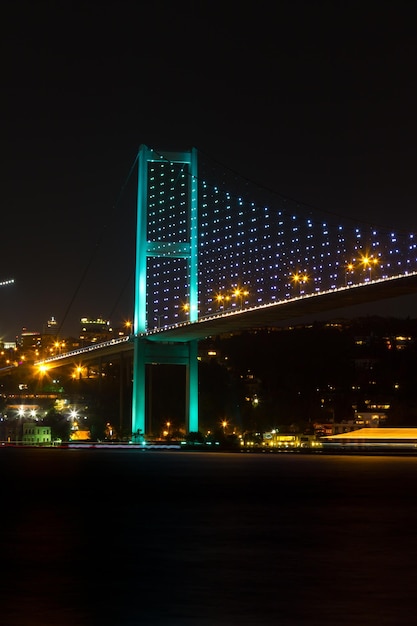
<point>59,346</point>
<point>43,368</point>
<point>158,320</point>
<point>374,263</point>
<point>19,429</point>
<point>349,270</point>
<point>368,263</point>
<point>240,293</point>
<point>222,300</point>
<point>299,279</point>
<point>219,299</point>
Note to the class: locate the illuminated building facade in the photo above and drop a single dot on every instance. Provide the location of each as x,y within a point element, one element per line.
<point>36,434</point>
<point>94,330</point>
<point>30,340</point>
<point>51,327</point>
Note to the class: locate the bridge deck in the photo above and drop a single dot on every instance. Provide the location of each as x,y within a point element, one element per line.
<point>269,316</point>
<point>277,313</point>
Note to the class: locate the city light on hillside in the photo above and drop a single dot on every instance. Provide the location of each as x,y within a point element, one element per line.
<point>78,372</point>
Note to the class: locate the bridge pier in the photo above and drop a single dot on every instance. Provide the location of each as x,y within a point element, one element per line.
<point>172,353</point>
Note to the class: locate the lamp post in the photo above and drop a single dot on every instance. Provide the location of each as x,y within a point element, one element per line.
<point>239,293</point>
<point>186,309</point>
<point>349,270</point>
<point>219,299</point>
<point>299,279</point>
<point>222,301</point>
<point>77,372</point>
<point>19,430</point>
<point>368,263</point>
<point>374,263</point>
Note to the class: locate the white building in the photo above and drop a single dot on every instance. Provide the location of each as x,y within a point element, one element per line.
<point>36,434</point>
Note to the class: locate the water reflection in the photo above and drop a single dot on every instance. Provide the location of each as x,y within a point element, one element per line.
<point>176,538</point>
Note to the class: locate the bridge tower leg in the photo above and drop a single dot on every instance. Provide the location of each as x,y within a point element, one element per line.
<point>146,351</point>
<point>191,407</point>
<point>139,385</point>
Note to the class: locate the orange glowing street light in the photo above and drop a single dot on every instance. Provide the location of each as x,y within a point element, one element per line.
<point>77,373</point>
<point>349,270</point>
<point>239,293</point>
<point>368,263</point>
<point>299,278</point>
<point>222,300</point>
<point>42,369</point>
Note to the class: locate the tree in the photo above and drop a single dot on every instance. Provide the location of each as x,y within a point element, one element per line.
<point>60,426</point>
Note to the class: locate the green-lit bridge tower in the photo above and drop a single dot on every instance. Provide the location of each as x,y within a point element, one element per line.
<point>150,244</point>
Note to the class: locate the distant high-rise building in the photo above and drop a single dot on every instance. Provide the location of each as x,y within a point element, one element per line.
<point>30,340</point>
<point>51,327</point>
<point>95,330</point>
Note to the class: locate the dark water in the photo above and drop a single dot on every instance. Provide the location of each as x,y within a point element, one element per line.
<point>173,538</point>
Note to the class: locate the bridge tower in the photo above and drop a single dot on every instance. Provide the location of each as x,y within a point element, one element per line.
<point>152,348</point>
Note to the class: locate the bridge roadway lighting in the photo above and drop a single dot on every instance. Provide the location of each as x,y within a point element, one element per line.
<point>349,270</point>
<point>299,279</point>
<point>158,320</point>
<point>240,293</point>
<point>219,299</point>
<point>222,300</point>
<point>374,263</point>
<point>369,262</point>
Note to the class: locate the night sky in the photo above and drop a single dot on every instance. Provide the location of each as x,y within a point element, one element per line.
<point>315,100</point>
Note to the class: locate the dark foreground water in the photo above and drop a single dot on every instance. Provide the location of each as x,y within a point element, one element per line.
<point>176,538</point>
